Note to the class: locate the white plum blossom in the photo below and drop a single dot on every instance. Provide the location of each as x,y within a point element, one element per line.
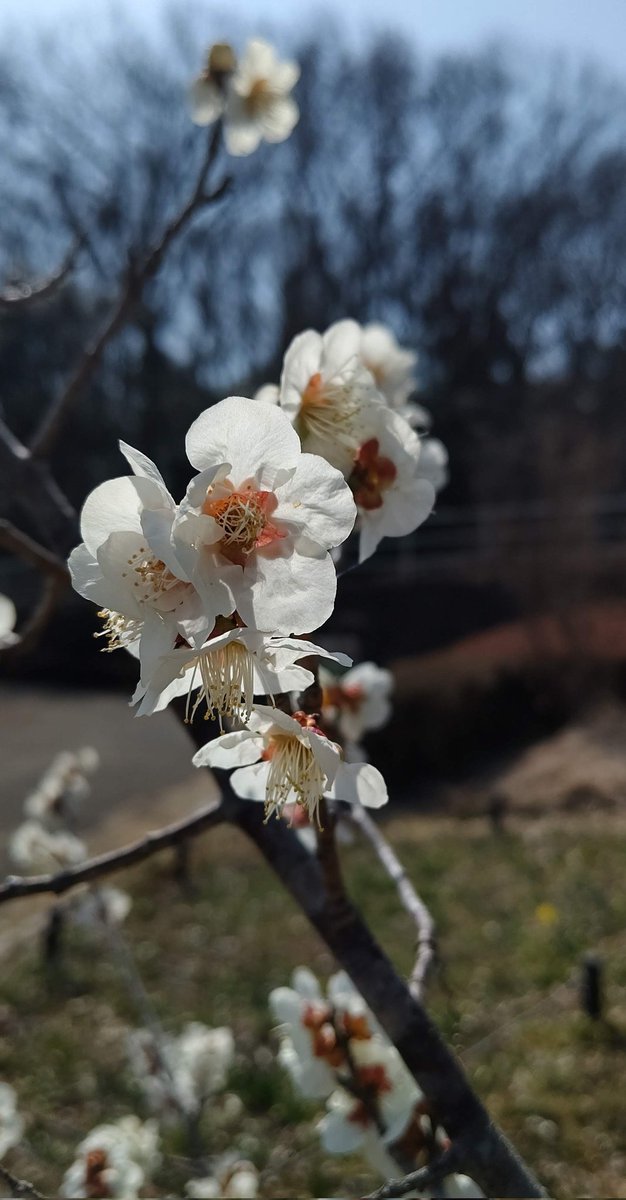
<point>233,1177</point>
<point>393,370</point>
<point>326,392</point>
<point>313,1029</point>
<point>392,497</point>
<point>230,669</point>
<point>11,1123</point>
<point>357,701</point>
<point>35,849</point>
<point>63,784</point>
<point>382,1075</point>
<point>252,96</point>
<point>8,618</point>
<point>181,1073</point>
<point>260,519</point>
<point>103,905</point>
<point>113,1160</point>
<point>128,566</point>
<point>283,760</point>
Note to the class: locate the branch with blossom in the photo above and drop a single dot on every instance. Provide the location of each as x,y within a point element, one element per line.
<point>211,594</point>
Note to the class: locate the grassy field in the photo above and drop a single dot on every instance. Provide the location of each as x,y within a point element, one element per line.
<point>514,912</point>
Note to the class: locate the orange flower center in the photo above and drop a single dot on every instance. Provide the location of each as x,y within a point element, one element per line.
<point>350,697</point>
<point>372,474</point>
<point>95,1166</point>
<point>314,394</point>
<point>373,1081</point>
<point>244,518</point>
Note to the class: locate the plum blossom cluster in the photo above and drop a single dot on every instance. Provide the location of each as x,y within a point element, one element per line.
<point>178,1075</point>
<point>347,394</point>
<point>252,95</point>
<point>334,1050</point>
<point>211,595</point>
<point>114,1160</point>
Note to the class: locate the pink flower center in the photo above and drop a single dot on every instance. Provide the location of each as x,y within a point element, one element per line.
<point>244,518</point>
<point>372,474</point>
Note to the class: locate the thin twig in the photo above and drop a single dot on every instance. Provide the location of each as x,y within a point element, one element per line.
<point>19,543</point>
<point>417,910</point>
<point>424,1177</point>
<point>113,860</point>
<point>137,276</point>
<point>20,1188</point>
<point>25,295</point>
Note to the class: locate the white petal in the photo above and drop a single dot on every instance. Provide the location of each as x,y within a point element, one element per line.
<point>360,783</point>
<point>258,441</point>
<point>251,782</point>
<point>205,102</point>
<point>289,595</point>
<point>229,750</point>
<point>317,502</point>
<point>117,505</point>
<point>140,463</point>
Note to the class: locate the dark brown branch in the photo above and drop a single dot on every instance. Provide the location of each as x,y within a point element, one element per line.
<point>426,1177</point>
<point>24,295</point>
<point>20,544</point>
<point>20,1188</point>
<point>114,860</point>
<point>417,910</point>
<point>138,275</point>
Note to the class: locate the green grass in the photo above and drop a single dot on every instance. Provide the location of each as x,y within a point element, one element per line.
<point>549,1075</point>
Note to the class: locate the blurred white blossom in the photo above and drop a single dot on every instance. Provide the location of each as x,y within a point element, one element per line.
<point>8,617</point>
<point>357,701</point>
<point>232,1177</point>
<point>181,1073</point>
<point>11,1123</point>
<point>35,849</point>
<point>114,1160</point>
<point>252,96</point>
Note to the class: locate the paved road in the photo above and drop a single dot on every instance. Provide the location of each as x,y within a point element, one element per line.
<point>145,777</point>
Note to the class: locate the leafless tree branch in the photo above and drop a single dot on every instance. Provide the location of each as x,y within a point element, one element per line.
<point>417,1181</point>
<point>137,276</point>
<point>20,1188</point>
<point>417,910</point>
<point>20,544</point>
<point>114,860</point>
<point>25,295</point>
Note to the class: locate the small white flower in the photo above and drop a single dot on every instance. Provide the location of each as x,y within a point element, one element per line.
<point>298,764</point>
<point>104,904</point>
<point>229,671</point>
<point>326,392</point>
<point>357,701</point>
<point>391,496</point>
<point>62,785</point>
<point>11,1123</point>
<point>253,96</point>
<point>259,519</point>
<point>382,1074</point>
<point>113,1160</point>
<point>259,106</point>
<point>182,1072</point>
<point>232,1177</point>
<point>391,365</point>
<point>8,617</point>
<point>36,850</point>
<point>127,565</point>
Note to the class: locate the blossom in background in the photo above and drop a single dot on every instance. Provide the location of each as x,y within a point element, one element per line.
<point>95,906</point>
<point>114,1160</point>
<point>357,701</point>
<point>230,669</point>
<point>35,849</point>
<point>327,392</point>
<point>252,96</point>
<point>232,1177</point>
<point>433,462</point>
<point>11,1123</point>
<point>393,369</point>
<point>260,518</point>
<point>392,498</point>
<point>8,617</point>
<point>181,1073</point>
<point>62,785</point>
<point>283,759</point>
<point>390,1093</point>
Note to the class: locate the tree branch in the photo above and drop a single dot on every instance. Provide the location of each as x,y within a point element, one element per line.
<point>114,860</point>
<point>426,1177</point>
<point>417,910</point>
<point>137,277</point>
<point>20,1188</point>
<point>19,543</point>
<point>24,296</point>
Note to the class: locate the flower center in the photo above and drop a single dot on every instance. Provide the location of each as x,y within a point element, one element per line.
<point>350,697</point>
<point>153,582</point>
<point>317,1018</point>
<point>225,677</point>
<point>243,517</point>
<point>372,1082</point>
<point>257,97</point>
<point>328,409</point>
<point>95,1166</point>
<point>372,474</point>
<point>294,771</point>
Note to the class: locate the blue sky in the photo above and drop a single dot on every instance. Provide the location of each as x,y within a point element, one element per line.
<point>588,28</point>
